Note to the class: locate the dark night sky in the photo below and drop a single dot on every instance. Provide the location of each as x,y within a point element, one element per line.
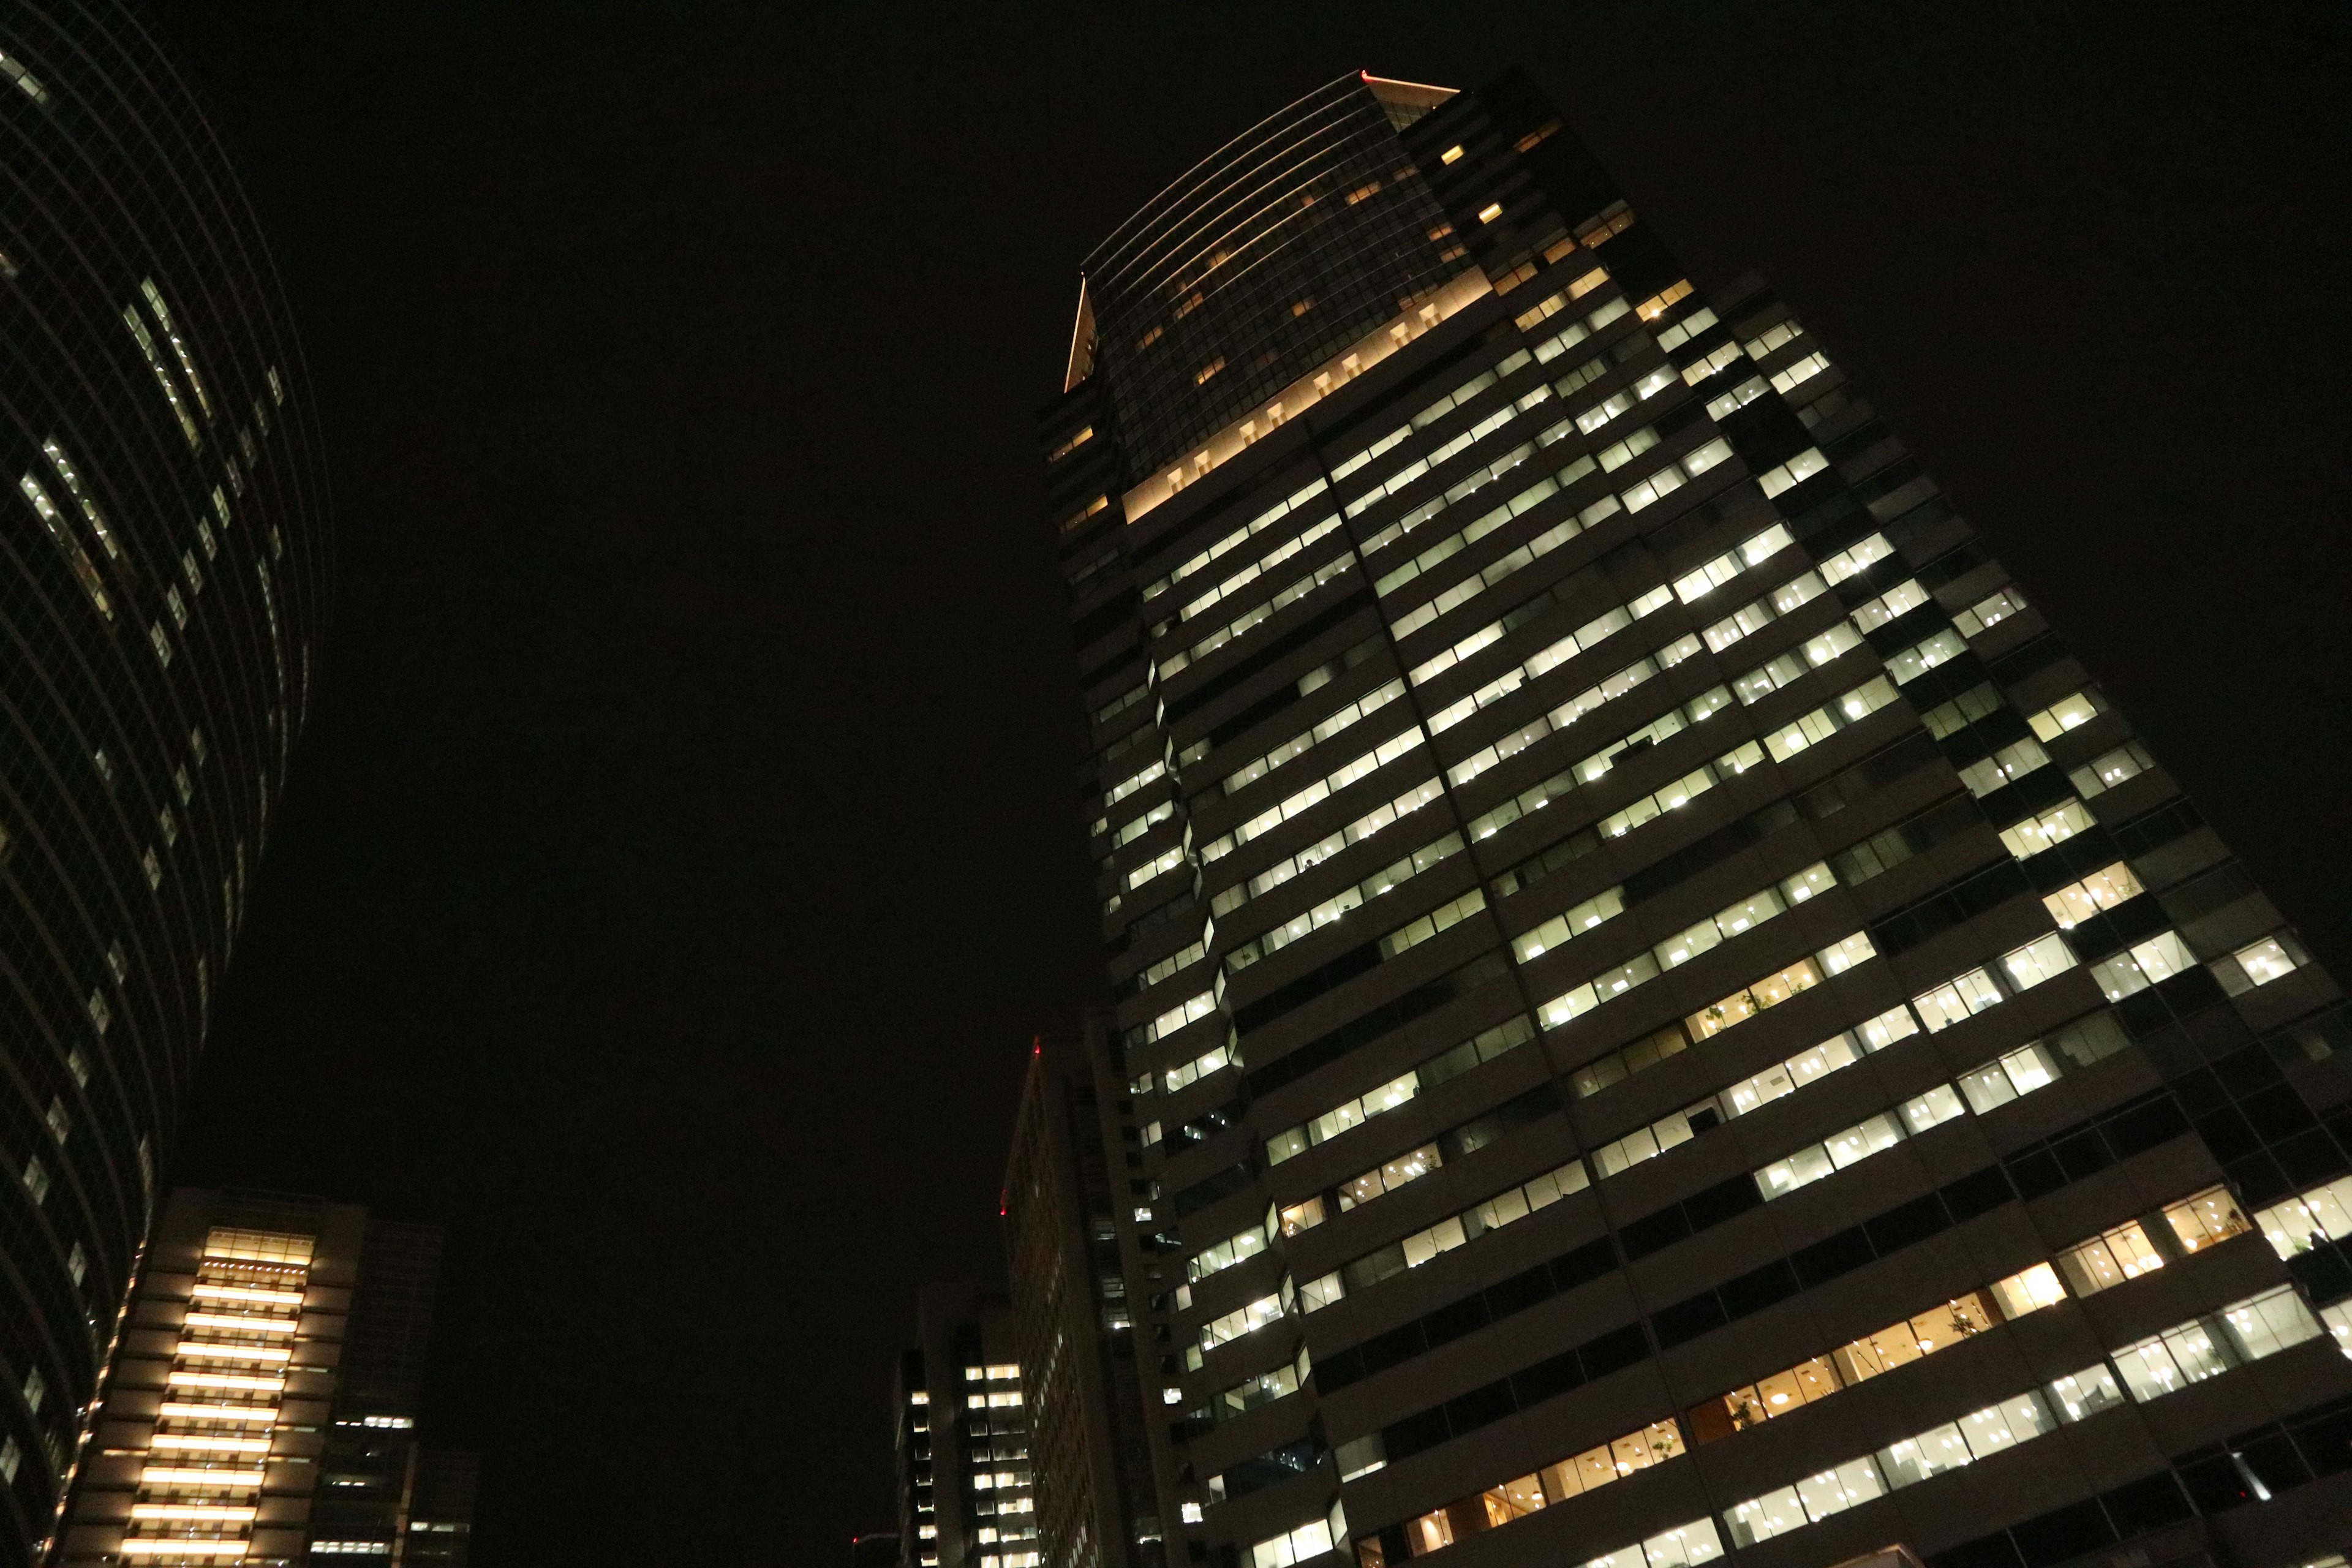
<point>683,849</point>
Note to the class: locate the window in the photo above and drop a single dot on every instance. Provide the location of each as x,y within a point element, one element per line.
<point>2032,835</point>
<point>1962,997</point>
<point>2067,713</point>
<point>2072,904</point>
<point>1989,611</point>
<point>2159,958</point>
<point>2038,961</point>
<point>2306,1221</point>
<point>1490,211</point>
<point>1793,472</point>
<point>1802,370</point>
<point>2269,959</point>
<point>2104,773</point>
<point>1410,1166</point>
<point>30,86</point>
<point>2207,1218</point>
<point>2013,761</point>
<point>77,559</point>
<point>2109,1258</point>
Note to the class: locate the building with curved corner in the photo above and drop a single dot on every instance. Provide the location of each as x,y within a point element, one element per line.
<point>163,565</point>
<point>1662,1014</point>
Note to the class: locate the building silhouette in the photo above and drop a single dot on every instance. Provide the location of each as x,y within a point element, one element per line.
<point>1101,1453</point>
<point>262,1405</point>
<point>1661,1013</point>
<point>163,575</point>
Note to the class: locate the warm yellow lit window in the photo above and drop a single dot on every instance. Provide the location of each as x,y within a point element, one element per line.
<point>1532,138</point>
<point>1362,193</point>
<point>1665,298</point>
<point>1151,337</point>
<point>2203,1219</point>
<point>1301,306</point>
<point>1072,445</point>
<point>1068,523</point>
<point>1302,1216</point>
<point>1452,154</point>
<point>1490,211</point>
<point>1206,371</point>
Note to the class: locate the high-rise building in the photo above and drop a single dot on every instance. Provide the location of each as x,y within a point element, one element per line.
<point>1666,1016</point>
<point>962,1431</point>
<point>164,560</point>
<point>262,1405</point>
<point>1099,1452</point>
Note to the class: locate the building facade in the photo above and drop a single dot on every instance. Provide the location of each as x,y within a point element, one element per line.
<point>261,1404</point>
<point>1665,1017</point>
<point>163,579</point>
<point>961,1430</point>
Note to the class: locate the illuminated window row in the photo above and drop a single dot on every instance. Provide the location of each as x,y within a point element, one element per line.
<point>2021,1072</point>
<point>1257,616</point>
<point>1493,574</point>
<point>1541,1488</point>
<point>1238,537</point>
<point>1767,991</point>
<point>1511,1205</point>
<point>1483,1047</point>
<point>1671,722</point>
<point>1379,817</point>
<point>1550,723</point>
<point>1315,793</point>
<point>1340,719</point>
<point>1454,448</point>
<point>1807,1067</point>
<point>1977,1435</point>
<point>1584,639</point>
<point>1333,908</point>
<point>2203,1347</point>
<point>1201,604</point>
<point>1428,416</point>
<point>1854,706</point>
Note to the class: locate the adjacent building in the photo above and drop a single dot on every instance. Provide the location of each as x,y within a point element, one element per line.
<point>961,1433</point>
<point>261,1403</point>
<point>163,559</point>
<point>1102,1453</point>
<point>1663,1015</point>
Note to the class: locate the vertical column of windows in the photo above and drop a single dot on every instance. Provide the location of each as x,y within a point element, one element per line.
<point>200,1488</point>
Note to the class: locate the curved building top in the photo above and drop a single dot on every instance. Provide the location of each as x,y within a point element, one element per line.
<point>1266,260</point>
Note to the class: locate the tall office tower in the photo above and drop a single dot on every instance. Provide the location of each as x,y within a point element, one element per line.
<point>961,1430</point>
<point>261,1407</point>
<point>164,559</point>
<point>1670,1018</point>
<point>1099,1453</point>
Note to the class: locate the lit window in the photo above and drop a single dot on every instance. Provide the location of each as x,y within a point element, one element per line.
<point>1452,154</point>
<point>1490,211</point>
<point>30,86</point>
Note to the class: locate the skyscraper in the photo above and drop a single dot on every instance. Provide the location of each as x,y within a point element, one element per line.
<point>165,563</point>
<point>261,1407</point>
<point>1666,1016</point>
<point>961,1427</point>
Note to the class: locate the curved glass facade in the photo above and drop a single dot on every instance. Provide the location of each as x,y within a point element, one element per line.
<point>163,563</point>
<point>1270,254</point>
